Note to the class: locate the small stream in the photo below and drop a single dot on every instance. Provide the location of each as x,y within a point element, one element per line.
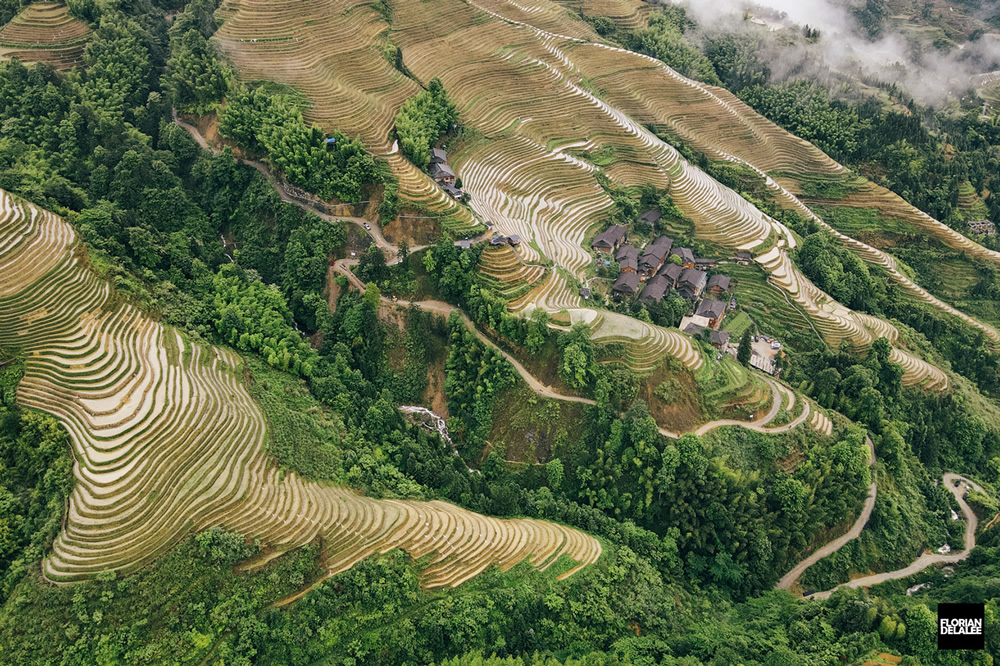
<point>431,421</point>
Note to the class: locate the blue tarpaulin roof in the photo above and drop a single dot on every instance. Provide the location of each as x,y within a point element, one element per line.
<point>332,139</point>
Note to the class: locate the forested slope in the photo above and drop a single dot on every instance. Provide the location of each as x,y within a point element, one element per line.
<point>200,424</point>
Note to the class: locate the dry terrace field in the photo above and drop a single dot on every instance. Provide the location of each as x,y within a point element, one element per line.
<point>524,76</point>
<point>44,32</point>
<point>167,440</point>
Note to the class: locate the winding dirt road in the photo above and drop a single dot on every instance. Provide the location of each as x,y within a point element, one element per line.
<point>927,559</point>
<point>832,547</point>
<point>342,266</point>
<point>445,309</point>
<point>369,228</point>
<point>790,578</point>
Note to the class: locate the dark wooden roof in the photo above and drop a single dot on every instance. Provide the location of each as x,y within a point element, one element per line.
<point>720,281</point>
<point>672,272</point>
<point>441,171</point>
<point>655,289</point>
<point>685,253</point>
<point>717,338</point>
<point>610,237</point>
<point>711,308</point>
<point>655,253</point>
<point>627,257</point>
<point>627,283</point>
<point>692,277</point>
<point>650,216</point>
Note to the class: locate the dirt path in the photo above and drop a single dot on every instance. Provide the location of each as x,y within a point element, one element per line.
<point>790,578</point>
<point>927,559</point>
<point>541,389</point>
<point>759,425</point>
<point>753,425</point>
<point>445,309</point>
<point>342,266</point>
<point>369,228</point>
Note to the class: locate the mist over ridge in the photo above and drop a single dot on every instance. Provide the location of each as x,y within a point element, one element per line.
<point>859,39</point>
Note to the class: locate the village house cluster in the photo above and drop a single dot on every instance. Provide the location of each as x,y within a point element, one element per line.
<point>652,275</point>
<point>983,228</point>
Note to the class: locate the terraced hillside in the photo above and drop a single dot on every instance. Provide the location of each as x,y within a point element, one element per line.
<point>167,440</point>
<point>508,272</point>
<point>524,76</point>
<point>44,32</point>
<point>722,126</point>
<point>334,53</point>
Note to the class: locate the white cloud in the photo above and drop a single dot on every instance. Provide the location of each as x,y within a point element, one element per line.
<point>929,75</point>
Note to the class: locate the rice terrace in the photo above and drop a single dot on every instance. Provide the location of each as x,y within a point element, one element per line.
<point>45,32</point>
<point>496,332</point>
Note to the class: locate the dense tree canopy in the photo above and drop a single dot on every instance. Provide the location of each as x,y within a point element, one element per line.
<point>695,530</point>
<point>422,120</point>
<point>263,122</point>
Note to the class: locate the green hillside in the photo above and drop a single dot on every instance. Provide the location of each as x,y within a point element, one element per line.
<point>475,332</point>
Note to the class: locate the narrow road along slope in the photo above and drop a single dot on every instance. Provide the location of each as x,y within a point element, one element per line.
<point>372,230</point>
<point>789,579</point>
<point>927,559</point>
<point>342,266</point>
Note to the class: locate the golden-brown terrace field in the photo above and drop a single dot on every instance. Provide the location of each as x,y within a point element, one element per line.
<point>44,32</point>
<point>524,76</point>
<point>719,124</point>
<point>168,441</point>
<point>334,53</point>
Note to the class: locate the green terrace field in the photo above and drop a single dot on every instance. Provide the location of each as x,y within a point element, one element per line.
<point>729,390</point>
<point>769,308</point>
<point>736,324</point>
<point>948,274</point>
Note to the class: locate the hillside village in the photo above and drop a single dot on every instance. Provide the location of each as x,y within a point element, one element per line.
<point>650,273</point>
<point>476,333</point>
<point>443,174</point>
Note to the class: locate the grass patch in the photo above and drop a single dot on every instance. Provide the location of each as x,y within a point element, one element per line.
<point>862,223</point>
<point>825,186</point>
<point>528,428</point>
<point>736,325</point>
<point>303,435</point>
<point>672,395</point>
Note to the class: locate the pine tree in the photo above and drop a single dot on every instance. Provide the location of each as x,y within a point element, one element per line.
<point>744,352</point>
